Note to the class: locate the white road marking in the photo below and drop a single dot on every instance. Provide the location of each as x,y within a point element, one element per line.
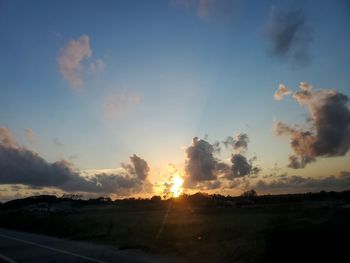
<point>7,259</point>
<point>50,248</point>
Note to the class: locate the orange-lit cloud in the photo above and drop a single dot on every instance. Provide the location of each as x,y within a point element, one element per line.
<point>29,134</point>
<point>281,92</point>
<point>329,132</point>
<point>71,58</point>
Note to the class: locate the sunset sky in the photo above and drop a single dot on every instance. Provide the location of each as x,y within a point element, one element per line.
<point>87,84</point>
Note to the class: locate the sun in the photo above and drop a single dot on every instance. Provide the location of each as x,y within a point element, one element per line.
<point>176,185</point>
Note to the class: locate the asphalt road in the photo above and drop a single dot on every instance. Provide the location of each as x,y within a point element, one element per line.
<point>26,247</point>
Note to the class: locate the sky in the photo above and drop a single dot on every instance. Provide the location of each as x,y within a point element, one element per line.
<point>106,97</point>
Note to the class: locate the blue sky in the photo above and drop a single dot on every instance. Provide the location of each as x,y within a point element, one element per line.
<point>191,75</point>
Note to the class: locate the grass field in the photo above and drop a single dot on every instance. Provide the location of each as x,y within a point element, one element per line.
<point>275,233</point>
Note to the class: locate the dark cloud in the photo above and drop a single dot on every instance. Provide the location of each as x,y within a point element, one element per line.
<point>201,164</point>
<point>329,132</point>
<point>345,174</point>
<point>289,35</point>
<point>202,168</point>
<point>294,184</point>
<point>138,167</point>
<point>205,171</point>
<point>241,166</point>
<point>296,162</point>
<point>283,183</point>
<point>239,143</point>
<point>123,184</point>
<point>242,183</point>
<point>19,165</point>
<point>209,185</point>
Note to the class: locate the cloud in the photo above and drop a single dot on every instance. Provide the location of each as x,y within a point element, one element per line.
<point>242,167</point>
<point>116,106</point>
<point>202,168</point>
<point>241,183</point>
<point>97,66</point>
<point>329,132</point>
<point>282,91</point>
<point>138,167</point>
<point>296,162</point>
<point>300,142</point>
<point>239,143</point>
<point>283,183</point>
<point>294,184</point>
<point>6,138</point>
<point>71,57</point>
<point>210,9</point>
<point>71,60</point>
<point>201,162</point>
<point>209,185</point>
<point>29,134</point>
<point>205,171</point>
<point>289,35</point>
<point>19,165</point>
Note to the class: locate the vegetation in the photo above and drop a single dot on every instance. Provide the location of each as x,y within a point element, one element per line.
<point>209,228</point>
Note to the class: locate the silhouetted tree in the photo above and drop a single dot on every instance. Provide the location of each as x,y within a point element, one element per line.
<point>249,193</point>
<point>156,198</point>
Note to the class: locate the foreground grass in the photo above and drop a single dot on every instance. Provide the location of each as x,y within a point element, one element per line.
<point>232,234</point>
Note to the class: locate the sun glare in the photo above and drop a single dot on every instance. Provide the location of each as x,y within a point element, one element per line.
<point>176,188</point>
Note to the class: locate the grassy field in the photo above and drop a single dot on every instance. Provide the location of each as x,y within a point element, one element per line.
<point>275,233</point>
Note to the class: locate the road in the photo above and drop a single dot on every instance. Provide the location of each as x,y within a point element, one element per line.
<point>16,247</point>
